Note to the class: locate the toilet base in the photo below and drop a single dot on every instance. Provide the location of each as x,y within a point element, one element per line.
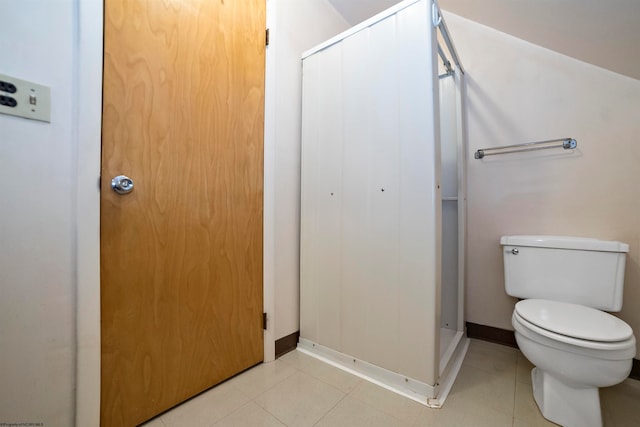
<point>563,404</point>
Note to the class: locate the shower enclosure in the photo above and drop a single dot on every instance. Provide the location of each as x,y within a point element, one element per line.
<point>383,202</point>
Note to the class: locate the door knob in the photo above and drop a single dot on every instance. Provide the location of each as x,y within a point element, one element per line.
<point>122,184</point>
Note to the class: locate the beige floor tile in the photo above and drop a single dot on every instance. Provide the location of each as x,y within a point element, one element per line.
<point>156,422</point>
<point>491,358</point>
<point>262,377</point>
<point>351,412</point>
<point>399,407</point>
<point>523,369</point>
<point>518,422</point>
<point>298,390</point>
<point>493,391</point>
<point>250,415</point>
<point>294,358</point>
<point>526,410</point>
<point>206,409</point>
<point>463,413</point>
<point>621,404</point>
<point>300,400</point>
<point>338,378</point>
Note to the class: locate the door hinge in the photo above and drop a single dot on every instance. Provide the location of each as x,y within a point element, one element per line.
<point>266,37</point>
<point>264,321</point>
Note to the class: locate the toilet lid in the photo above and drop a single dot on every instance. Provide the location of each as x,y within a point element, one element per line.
<point>574,320</point>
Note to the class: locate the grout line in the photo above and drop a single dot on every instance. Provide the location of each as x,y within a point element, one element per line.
<point>231,413</point>
<point>331,367</point>
<point>253,400</point>
<point>330,409</point>
<point>274,384</point>
<point>515,389</point>
<point>274,416</point>
<point>344,394</point>
<point>383,411</point>
<point>299,371</point>
<point>159,419</point>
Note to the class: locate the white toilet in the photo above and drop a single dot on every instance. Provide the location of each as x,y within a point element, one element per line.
<point>565,282</point>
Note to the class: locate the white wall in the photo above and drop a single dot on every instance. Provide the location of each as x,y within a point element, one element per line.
<point>49,220</point>
<point>520,92</point>
<point>356,11</point>
<point>37,219</point>
<point>603,33</point>
<point>297,26</point>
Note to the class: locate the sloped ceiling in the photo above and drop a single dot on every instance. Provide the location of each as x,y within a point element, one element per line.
<point>603,33</point>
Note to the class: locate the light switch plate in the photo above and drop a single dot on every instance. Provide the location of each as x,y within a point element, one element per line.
<point>32,101</point>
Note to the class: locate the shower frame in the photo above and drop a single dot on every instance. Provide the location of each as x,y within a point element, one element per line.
<point>371,202</point>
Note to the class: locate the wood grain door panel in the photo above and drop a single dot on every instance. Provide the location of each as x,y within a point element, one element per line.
<point>181,255</point>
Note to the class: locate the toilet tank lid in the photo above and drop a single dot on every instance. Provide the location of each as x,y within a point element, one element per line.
<point>565,242</point>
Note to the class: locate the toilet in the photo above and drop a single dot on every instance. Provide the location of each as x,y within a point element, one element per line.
<point>566,286</point>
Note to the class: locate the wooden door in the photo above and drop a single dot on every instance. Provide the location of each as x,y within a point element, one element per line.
<point>181,255</point>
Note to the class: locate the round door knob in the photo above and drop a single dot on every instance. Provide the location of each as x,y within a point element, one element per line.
<point>122,184</point>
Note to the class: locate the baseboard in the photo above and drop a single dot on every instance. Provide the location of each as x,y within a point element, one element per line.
<point>286,344</point>
<point>491,334</point>
<point>508,338</point>
<point>635,370</point>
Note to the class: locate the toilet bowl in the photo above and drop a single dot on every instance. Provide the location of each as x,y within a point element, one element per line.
<point>566,286</point>
<point>576,350</point>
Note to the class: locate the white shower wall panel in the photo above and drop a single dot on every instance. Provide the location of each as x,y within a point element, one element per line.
<point>321,199</point>
<point>371,191</point>
<point>370,264</point>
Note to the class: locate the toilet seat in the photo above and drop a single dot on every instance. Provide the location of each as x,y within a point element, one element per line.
<point>573,320</point>
<point>619,350</point>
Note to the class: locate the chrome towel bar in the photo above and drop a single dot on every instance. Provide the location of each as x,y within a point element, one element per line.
<point>566,143</point>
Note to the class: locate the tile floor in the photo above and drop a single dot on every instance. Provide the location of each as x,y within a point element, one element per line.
<point>493,389</point>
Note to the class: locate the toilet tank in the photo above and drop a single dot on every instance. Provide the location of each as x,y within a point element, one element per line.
<point>571,269</point>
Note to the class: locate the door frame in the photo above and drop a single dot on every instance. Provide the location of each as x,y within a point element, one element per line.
<point>88,116</point>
